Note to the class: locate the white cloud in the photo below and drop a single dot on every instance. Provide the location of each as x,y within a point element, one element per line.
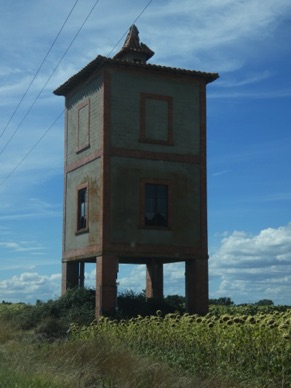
<point>220,173</point>
<point>134,279</point>
<point>22,246</point>
<point>32,209</point>
<point>199,27</point>
<point>249,268</point>
<point>285,196</point>
<point>250,94</point>
<point>245,268</point>
<point>30,286</point>
<point>248,79</point>
<point>222,33</point>
<point>213,35</point>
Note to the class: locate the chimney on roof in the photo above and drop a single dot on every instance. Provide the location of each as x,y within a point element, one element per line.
<point>133,50</point>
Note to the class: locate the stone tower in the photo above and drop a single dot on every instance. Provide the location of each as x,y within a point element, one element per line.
<point>135,173</point>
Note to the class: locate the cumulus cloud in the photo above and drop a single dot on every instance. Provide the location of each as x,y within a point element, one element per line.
<point>214,35</point>
<point>252,267</point>
<point>245,268</point>
<point>133,277</point>
<point>30,286</point>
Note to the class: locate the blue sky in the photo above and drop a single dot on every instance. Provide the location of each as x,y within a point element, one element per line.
<point>248,121</point>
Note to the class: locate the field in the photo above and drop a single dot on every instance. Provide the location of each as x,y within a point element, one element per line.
<point>229,347</point>
<point>252,349</point>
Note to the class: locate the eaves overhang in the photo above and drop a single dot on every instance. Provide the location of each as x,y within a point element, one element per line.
<point>99,62</point>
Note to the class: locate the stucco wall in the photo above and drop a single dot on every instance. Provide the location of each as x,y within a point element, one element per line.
<point>126,89</point>
<point>173,99</point>
<point>92,93</point>
<point>126,177</point>
<point>89,173</point>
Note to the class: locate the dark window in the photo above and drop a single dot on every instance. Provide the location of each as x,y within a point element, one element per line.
<point>82,209</point>
<point>156,204</point>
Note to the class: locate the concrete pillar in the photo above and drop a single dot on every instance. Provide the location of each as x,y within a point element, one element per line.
<point>70,275</point>
<point>155,279</point>
<point>196,282</point>
<point>106,288</point>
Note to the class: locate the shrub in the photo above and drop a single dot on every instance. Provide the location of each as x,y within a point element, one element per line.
<point>131,304</point>
<point>51,329</point>
<point>77,306</point>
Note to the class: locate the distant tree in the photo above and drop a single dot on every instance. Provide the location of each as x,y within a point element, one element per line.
<point>176,301</point>
<point>224,301</point>
<point>265,302</point>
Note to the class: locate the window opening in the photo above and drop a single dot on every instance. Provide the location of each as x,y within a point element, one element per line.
<point>156,204</point>
<point>82,209</point>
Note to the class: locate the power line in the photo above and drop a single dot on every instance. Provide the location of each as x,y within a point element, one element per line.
<point>49,78</point>
<point>54,122</point>
<point>31,149</point>
<point>135,20</point>
<point>38,70</point>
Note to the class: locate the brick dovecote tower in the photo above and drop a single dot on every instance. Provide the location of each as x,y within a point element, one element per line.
<point>135,173</point>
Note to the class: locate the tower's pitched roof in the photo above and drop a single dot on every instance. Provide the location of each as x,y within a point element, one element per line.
<point>132,54</point>
<point>101,61</point>
<point>134,49</point>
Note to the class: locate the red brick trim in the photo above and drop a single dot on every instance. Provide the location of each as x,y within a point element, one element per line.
<point>143,135</point>
<point>143,181</point>
<point>140,253</point>
<point>145,251</point>
<point>82,253</point>
<point>82,105</point>
<point>106,287</point>
<point>106,143</point>
<point>65,179</point>
<point>203,167</point>
<point>83,161</point>
<point>151,155</point>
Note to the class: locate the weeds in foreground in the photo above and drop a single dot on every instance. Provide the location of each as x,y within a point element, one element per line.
<point>86,364</point>
<point>254,349</point>
<point>233,346</point>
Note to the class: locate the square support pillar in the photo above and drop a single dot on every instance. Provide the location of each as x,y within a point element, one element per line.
<point>106,288</point>
<point>196,282</point>
<point>154,280</point>
<point>70,275</point>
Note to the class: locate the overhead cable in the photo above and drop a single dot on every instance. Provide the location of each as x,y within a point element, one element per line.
<point>31,149</point>
<point>49,78</point>
<point>58,117</point>
<point>38,70</point>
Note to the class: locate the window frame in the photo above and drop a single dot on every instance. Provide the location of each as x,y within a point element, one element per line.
<point>82,147</point>
<point>79,228</point>
<point>144,138</point>
<point>156,182</point>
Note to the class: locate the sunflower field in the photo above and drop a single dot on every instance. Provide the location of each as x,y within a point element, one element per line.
<point>250,347</point>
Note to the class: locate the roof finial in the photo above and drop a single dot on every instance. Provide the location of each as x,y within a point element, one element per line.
<point>133,50</point>
<point>132,39</point>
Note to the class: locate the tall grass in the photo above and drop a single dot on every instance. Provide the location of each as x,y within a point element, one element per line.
<point>254,349</point>
<point>235,346</point>
<point>94,363</point>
